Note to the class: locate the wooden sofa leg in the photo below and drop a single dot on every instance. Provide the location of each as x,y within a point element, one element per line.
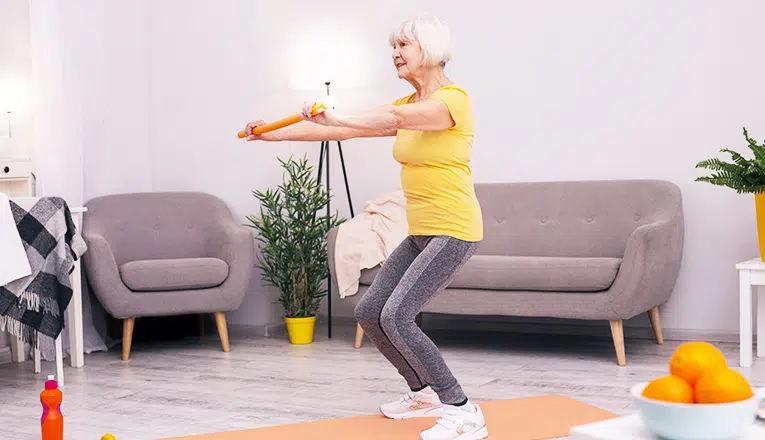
<point>220,321</point>
<point>653,315</point>
<point>127,337</point>
<point>359,336</point>
<point>617,332</point>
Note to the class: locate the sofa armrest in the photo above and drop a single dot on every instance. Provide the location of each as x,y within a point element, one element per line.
<point>235,245</point>
<point>103,275</point>
<point>649,269</point>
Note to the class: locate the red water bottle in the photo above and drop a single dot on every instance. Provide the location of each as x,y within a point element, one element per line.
<point>52,420</point>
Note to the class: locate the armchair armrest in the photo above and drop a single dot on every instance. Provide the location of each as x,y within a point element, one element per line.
<point>650,267</point>
<point>103,274</point>
<point>235,245</point>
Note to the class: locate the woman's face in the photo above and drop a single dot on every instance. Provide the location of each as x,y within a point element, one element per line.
<point>407,57</point>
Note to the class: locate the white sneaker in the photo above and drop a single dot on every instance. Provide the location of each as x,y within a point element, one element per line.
<point>424,403</point>
<point>458,423</point>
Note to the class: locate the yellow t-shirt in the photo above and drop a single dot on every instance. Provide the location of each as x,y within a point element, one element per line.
<point>435,173</point>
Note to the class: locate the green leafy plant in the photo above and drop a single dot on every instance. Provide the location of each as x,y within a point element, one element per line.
<point>742,174</point>
<point>292,230</point>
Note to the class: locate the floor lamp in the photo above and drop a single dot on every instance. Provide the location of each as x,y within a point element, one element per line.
<point>324,156</point>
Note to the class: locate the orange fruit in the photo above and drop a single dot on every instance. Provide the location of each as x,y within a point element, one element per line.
<point>692,359</point>
<point>669,389</point>
<point>723,385</point>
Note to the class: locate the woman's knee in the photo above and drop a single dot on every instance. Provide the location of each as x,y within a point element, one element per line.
<point>390,321</point>
<point>365,312</point>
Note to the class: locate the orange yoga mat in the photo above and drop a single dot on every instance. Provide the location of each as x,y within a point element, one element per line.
<point>529,418</point>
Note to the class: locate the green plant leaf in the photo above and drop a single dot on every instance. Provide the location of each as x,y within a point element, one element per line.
<point>292,227</point>
<point>742,175</point>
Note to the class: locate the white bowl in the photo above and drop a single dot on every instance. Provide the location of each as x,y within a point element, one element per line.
<point>680,421</point>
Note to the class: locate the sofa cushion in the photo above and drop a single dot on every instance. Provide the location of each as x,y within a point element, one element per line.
<point>553,274</point>
<point>173,274</point>
<point>557,274</point>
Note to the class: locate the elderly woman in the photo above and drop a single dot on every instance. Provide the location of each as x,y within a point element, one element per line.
<point>433,128</point>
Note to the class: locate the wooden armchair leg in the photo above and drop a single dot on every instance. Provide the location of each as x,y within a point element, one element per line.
<point>220,321</point>
<point>127,337</point>
<point>653,315</point>
<point>359,336</point>
<point>617,332</point>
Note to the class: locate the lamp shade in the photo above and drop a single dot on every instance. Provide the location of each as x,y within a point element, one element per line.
<point>12,94</point>
<point>323,53</point>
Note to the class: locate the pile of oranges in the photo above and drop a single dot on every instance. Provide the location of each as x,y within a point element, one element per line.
<point>699,373</point>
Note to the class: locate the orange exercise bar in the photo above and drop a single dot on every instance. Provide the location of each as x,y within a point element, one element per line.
<point>281,123</point>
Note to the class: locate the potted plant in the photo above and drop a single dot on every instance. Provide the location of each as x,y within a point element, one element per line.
<point>292,228</point>
<point>745,176</point>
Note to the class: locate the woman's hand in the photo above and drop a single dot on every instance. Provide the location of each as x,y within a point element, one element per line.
<point>323,117</point>
<point>256,137</point>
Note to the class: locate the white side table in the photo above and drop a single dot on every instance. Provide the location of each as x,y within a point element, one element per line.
<point>751,274</point>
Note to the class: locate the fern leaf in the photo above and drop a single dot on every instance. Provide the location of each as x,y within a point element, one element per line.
<point>737,158</point>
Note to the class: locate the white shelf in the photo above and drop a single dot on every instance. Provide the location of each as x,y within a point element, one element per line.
<point>15,169</point>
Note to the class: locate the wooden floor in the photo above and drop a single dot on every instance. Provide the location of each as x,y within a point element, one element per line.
<point>190,387</point>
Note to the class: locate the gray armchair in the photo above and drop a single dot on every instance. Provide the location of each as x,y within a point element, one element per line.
<point>164,254</point>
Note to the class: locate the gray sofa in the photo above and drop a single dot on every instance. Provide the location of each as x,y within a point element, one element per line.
<point>166,253</point>
<point>591,250</point>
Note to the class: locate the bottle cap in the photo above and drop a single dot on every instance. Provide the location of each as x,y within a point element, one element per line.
<point>51,383</point>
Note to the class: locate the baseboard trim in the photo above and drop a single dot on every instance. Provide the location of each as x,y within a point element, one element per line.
<point>633,329</point>
<point>578,328</point>
<point>263,330</point>
<point>637,328</point>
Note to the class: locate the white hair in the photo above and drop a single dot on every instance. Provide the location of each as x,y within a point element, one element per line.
<point>434,38</point>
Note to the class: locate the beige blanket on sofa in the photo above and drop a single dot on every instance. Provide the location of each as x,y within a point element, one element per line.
<point>367,239</point>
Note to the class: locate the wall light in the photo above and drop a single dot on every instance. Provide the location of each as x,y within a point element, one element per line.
<point>5,122</point>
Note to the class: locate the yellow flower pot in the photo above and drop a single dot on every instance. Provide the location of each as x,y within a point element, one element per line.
<point>759,204</point>
<point>300,330</point>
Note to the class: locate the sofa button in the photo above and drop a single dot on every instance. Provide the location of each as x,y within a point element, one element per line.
<point>589,219</point>
<point>636,217</point>
<point>544,220</point>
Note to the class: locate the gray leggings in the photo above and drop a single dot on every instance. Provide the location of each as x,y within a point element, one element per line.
<point>417,270</point>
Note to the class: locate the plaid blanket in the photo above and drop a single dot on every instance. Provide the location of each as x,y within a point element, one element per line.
<point>36,303</point>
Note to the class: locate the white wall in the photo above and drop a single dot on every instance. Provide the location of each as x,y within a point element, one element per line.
<point>15,72</point>
<point>582,90</point>
<point>568,90</point>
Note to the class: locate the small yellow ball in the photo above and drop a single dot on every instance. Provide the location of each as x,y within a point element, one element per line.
<point>108,437</point>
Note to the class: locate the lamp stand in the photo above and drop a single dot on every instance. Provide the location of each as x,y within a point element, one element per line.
<point>324,156</point>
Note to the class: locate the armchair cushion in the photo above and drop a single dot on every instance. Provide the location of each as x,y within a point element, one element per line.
<point>173,274</point>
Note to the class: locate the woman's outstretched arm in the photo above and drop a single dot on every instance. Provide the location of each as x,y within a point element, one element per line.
<point>314,132</point>
<point>429,115</point>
